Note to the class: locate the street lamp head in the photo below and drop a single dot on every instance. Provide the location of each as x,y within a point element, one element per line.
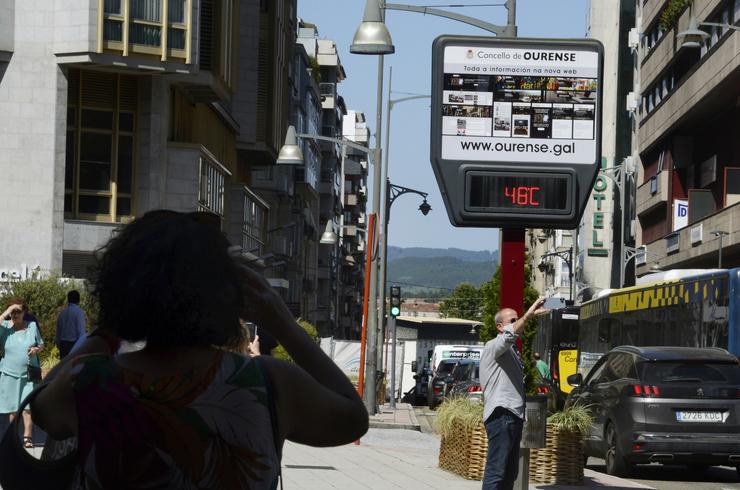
<point>693,37</point>
<point>718,233</point>
<point>372,36</point>
<point>328,237</point>
<point>290,153</point>
<point>425,207</point>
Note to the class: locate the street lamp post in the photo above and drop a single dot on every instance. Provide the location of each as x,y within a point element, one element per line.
<point>372,37</point>
<point>393,192</point>
<point>384,236</point>
<point>290,154</point>
<point>719,234</point>
<point>622,174</point>
<point>567,257</point>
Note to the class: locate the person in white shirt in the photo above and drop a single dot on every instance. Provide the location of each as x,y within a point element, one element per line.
<point>502,379</point>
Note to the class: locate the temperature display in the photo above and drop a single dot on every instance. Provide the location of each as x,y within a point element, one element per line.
<point>523,195</point>
<point>527,192</point>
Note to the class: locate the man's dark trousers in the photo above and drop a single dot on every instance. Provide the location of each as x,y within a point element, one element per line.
<point>64,347</point>
<point>504,430</point>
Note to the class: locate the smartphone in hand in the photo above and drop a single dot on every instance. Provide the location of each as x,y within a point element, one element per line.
<point>554,303</point>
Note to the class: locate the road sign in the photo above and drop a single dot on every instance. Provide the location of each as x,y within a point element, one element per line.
<point>516,133</point>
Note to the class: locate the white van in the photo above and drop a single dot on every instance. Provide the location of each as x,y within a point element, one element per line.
<point>454,352</point>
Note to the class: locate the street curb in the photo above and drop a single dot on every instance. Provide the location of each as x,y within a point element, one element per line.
<point>386,425</point>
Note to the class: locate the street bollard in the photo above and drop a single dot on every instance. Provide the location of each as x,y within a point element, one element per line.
<point>533,436</point>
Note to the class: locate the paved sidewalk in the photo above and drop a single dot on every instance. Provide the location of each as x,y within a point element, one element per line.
<point>392,459</point>
<point>403,417</point>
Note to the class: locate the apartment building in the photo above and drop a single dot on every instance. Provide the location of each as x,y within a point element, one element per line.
<point>353,225</point>
<point>593,250</point>
<point>605,232</point>
<point>687,121</point>
<point>112,108</point>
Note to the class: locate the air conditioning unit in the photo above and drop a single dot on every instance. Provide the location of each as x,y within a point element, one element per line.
<point>633,39</point>
<point>633,101</point>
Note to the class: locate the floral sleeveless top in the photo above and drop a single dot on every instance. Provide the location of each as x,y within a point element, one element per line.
<point>208,428</point>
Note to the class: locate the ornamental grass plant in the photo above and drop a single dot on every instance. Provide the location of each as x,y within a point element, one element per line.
<point>458,412</point>
<point>575,418</point>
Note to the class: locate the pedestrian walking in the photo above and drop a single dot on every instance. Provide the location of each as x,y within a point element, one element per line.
<point>19,368</point>
<point>502,379</point>
<point>541,366</point>
<point>184,411</point>
<point>70,324</point>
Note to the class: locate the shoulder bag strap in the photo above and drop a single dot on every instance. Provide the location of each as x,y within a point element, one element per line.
<point>273,417</point>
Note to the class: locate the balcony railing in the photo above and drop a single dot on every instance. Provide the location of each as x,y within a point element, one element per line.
<point>148,27</point>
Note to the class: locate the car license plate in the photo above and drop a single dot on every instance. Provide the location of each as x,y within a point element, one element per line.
<point>705,417</point>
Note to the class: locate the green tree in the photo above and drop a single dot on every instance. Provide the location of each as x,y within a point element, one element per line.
<point>491,292</point>
<point>465,302</point>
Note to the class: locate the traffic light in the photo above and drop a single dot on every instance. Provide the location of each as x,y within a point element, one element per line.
<point>395,301</point>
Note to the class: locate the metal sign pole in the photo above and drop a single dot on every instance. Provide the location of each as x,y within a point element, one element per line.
<point>392,320</point>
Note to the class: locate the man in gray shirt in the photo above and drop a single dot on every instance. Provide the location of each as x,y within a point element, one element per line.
<point>502,379</point>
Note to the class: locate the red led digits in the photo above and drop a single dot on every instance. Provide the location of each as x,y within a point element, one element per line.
<point>522,195</point>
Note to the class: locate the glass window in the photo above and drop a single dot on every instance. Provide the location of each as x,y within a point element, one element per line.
<point>125,163</point>
<point>94,205</point>
<point>112,7</point>
<point>254,224</point>
<point>736,16</point>
<point>150,10</point>
<point>105,153</point>
<point>690,372</point>
<point>95,119</point>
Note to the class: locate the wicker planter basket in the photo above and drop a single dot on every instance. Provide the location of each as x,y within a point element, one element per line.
<point>464,452</point>
<point>561,461</point>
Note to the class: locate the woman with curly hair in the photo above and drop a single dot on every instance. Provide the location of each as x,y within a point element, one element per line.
<point>185,412</point>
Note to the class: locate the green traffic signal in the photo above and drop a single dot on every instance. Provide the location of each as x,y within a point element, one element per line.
<point>395,301</point>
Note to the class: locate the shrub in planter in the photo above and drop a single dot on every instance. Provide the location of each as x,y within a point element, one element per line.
<point>561,461</point>
<point>464,444</point>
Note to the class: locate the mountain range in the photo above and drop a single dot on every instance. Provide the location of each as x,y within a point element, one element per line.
<point>434,272</point>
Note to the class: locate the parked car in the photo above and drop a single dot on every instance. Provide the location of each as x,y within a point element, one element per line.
<point>673,405</point>
<point>438,383</point>
<point>465,379</point>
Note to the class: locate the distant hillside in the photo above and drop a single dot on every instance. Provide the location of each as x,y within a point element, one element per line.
<point>422,252</point>
<point>421,271</point>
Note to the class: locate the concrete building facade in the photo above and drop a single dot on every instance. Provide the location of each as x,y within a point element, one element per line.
<point>685,136</point>
<point>112,108</point>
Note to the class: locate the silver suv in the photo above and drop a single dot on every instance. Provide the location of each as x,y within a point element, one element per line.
<point>676,405</point>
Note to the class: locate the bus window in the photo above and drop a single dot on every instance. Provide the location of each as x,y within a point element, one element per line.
<point>604,331</point>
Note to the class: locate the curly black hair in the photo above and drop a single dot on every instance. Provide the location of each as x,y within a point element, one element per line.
<point>168,278</point>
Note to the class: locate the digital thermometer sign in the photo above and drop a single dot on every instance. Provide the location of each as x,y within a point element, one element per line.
<point>506,191</point>
<point>515,133</point>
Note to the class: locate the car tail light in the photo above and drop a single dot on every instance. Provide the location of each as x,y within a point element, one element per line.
<point>646,390</point>
<point>473,389</point>
<point>636,447</point>
<point>543,390</point>
<point>437,390</point>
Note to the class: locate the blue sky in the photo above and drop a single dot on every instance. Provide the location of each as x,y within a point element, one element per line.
<point>409,147</point>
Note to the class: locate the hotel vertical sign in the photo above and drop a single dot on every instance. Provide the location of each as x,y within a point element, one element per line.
<point>516,134</point>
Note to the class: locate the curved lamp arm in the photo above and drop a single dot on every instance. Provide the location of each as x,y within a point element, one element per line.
<point>509,31</point>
